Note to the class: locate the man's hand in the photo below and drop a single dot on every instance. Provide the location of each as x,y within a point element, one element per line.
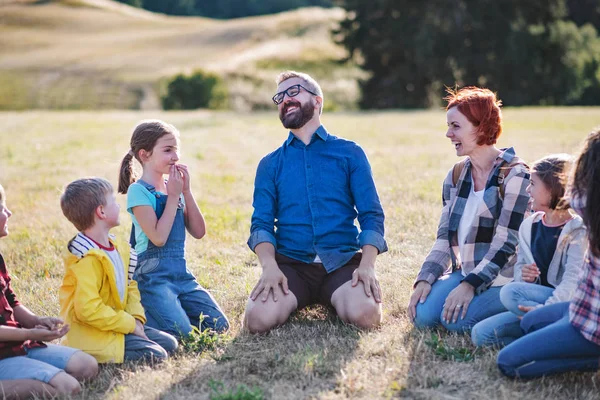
<point>366,274</point>
<point>458,299</point>
<point>46,335</point>
<point>530,272</point>
<point>419,295</point>
<point>49,323</point>
<point>139,329</point>
<point>270,278</point>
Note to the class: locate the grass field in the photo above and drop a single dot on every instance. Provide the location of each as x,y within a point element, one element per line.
<point>314,355</point>
<point>100,54</point>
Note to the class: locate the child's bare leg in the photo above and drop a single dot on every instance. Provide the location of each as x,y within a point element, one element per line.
<point>64,383</point>
<point>82,366</point>
<point>25,388</point>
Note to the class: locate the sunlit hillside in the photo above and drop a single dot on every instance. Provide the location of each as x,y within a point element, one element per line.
<point>87,54</point>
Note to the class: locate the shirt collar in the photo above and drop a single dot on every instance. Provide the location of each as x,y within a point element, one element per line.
<point>321,132</point>
<point>507,154</point>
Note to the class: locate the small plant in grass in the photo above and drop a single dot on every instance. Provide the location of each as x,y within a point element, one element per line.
<point>445,352</point>
<point>242,392</point>
<point>198,341</point>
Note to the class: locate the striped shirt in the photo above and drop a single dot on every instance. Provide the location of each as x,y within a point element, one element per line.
<point>584,310</point>
<point>490,243</point>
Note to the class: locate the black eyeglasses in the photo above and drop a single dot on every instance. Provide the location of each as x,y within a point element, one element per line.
<point>292,91</point>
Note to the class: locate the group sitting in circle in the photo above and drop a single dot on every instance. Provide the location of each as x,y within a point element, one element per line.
<point>516,260</point>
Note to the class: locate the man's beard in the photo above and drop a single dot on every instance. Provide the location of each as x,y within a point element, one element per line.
<point>297,119</point>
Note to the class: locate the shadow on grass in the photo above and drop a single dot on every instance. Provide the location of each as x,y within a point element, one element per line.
<point>447,365</point>
<point>297,360</point>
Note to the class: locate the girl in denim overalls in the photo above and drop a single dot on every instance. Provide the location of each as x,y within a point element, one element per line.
<point>161,212</point>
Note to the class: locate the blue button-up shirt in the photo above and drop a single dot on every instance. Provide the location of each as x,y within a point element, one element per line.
<point>306,199</point>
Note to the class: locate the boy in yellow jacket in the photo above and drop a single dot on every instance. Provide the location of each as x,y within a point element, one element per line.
<point>98,297</point>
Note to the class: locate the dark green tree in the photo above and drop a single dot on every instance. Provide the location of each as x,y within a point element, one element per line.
<point>526,51</point>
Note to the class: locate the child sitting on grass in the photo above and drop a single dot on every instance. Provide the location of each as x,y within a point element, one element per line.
<point>98,297</point>
<point>29,367</point>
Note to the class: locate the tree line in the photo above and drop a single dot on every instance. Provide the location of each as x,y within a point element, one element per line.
<point>535,52</point>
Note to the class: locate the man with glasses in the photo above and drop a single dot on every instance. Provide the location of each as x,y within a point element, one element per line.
<point>307,195</point>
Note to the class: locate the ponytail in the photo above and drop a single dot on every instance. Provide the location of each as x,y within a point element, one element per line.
<point>126,173</point>
<point>144,137</point>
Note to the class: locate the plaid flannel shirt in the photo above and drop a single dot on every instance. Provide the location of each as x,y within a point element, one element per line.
<point>8,301</point>
<point>491,242</point>
<point>584,310</point>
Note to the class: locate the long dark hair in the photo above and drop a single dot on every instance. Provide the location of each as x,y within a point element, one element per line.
<point>144,137</point>
<point>585,182</point>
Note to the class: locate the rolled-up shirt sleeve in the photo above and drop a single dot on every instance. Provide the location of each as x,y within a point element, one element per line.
<point>370,213</point>
<point>262,228</point>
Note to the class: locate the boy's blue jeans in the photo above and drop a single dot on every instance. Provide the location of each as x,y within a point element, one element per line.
<point>484,305</point>
<point>504,328</point>
<point>551,345</point>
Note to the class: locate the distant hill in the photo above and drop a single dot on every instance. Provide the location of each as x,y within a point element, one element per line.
<point>100,54</point>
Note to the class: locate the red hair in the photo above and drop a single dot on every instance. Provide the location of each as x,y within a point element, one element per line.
<point>482,109</point>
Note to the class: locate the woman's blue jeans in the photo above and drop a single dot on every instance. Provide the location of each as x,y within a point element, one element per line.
<point>504,328</point>
<point>551,345</point>
<point>484,305</point>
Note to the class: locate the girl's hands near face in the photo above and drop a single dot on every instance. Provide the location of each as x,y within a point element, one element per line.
<point>175,182</point>
<point>185,173</point>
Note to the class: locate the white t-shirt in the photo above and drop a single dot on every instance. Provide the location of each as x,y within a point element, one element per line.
<point>119,270</point>
<point>468,217</point>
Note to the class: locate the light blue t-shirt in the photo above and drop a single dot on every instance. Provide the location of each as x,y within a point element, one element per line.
<point>138,195</point>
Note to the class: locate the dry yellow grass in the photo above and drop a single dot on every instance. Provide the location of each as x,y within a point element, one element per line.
<point>314,355</point>
<point>90,54</point>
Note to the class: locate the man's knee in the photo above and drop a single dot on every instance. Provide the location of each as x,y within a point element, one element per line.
<point>82,366</point>
<point>261,317</point>
<point>64,383</point>
<point>365,316</point>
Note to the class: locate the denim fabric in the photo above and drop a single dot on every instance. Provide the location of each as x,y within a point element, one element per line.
<point>157,347</point>
<point>40,363</point>
<point>172,298</point>
<point>307,197</point>
<point>484,305</point>
<point>551,345</point>
<point>502,329</point>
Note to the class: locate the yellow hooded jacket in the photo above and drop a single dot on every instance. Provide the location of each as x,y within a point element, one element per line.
<point>90,301</point>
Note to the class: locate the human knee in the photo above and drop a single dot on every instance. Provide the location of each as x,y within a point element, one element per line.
<point>365,316</point>
<point>169,343</point>
<point>508,296</point>
<point>82,366</point>
<point>259,320</point>
<point>426,317</point>
<point>506,364</point>
<point>480,336</point>
<point>64,383</point>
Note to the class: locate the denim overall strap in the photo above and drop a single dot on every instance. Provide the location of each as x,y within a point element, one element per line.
<point>175,244</point>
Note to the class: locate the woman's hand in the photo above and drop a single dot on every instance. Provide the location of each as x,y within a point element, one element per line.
<point>419,295</point>
<point>458,299</point>
<point>530,273</point>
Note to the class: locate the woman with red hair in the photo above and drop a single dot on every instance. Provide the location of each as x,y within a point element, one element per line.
<point>484,201</point>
